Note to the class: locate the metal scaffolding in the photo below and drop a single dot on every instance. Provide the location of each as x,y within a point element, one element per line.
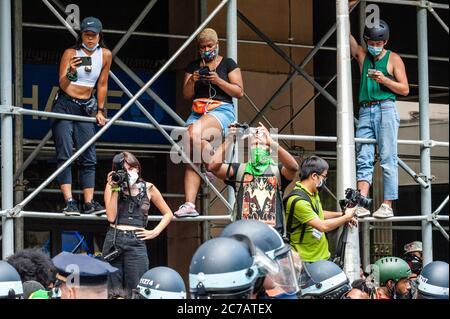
<point>345,120</point>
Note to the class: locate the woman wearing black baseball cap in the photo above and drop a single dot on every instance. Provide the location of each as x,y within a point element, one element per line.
<point>83,68</point>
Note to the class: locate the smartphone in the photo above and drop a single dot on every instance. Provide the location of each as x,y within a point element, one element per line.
<point>371,72</point>
<point>85,60</point>
<point>204,71</point>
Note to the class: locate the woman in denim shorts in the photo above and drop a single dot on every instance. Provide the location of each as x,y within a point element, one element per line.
<point>211,82</point>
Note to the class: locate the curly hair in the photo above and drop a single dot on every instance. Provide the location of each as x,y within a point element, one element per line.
<point>34,264</point>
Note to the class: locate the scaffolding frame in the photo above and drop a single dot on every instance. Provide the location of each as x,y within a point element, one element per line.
<point>345,140</point>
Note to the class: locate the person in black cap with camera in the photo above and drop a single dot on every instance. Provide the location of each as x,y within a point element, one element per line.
<point>83,68</point>
<point>383,78</point>
<point>81,277</point>
<point>127,200</point>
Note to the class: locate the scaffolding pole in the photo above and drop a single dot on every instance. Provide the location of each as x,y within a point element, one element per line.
<point>346,166</point>
<point>19,207</point>
<point>424,123</point>
<point>7,136</point>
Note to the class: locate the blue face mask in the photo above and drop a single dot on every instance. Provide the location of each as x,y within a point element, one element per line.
<point>375,51</point>
<point>210,55</point>
<point>89,49</point>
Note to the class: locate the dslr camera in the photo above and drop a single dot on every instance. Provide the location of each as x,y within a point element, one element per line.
<point>242,129</point>
<point>354,198</point>
<point>120,175</point>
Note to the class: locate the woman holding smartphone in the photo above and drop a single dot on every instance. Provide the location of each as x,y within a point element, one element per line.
<point>127,199</point>
<point>83,68</point>
<point>211,82</point>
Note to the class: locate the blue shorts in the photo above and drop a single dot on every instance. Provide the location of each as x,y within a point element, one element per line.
<point>224,114</point>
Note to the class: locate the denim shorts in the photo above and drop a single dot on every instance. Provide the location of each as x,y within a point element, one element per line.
<point>225,114</point>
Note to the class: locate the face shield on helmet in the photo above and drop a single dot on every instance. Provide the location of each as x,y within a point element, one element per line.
<point>288,270</point>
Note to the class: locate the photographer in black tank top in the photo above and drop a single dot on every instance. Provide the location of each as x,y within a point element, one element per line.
<point>127,200</point>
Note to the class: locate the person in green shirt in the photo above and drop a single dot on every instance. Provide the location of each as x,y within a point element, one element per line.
<point>309,221</point>
<point>383,78</point>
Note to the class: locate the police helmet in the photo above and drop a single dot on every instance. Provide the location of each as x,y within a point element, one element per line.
<point>10,282</point>
<point>161,283</point>
<point>223,268</point>
<point>433,281</point>
<point>380,33</point>
<point>269,241</point>
<point>323,279</point>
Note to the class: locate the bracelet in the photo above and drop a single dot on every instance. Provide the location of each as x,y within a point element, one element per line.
<point>72,77</point>
<point>102,110</point>
<point>115,189</point>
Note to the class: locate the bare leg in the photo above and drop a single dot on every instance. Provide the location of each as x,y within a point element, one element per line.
<point>364,188</point>
<point>198,132</point>
<point>88,195</point>
<point>388,202</point>
<point>191,184</point>
<point>66,189</point>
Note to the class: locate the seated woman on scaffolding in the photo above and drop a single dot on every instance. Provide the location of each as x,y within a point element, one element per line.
<point>211,82</point>
<point>82,68</point>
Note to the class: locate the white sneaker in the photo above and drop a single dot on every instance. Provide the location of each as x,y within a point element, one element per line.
<point>362,212</point>
<point>384,212</point>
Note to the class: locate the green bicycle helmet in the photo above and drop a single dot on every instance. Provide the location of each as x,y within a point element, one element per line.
<point>392,268</point>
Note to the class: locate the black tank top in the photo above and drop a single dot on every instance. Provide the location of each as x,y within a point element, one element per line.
<point>133,211</point>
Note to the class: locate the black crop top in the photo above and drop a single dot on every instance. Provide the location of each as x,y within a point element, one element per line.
<point>201,88</point>
<point>134,211</point>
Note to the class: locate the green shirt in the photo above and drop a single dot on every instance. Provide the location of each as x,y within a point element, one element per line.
<point>310,249</point>
<point>369,89</point>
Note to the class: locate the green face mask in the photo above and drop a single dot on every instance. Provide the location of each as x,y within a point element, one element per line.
<point>259,161</point>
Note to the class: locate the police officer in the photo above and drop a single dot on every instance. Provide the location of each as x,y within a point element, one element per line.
<point>10,283</point>
<point>323,279</point>
<point>223,268</point>
<point>283,284</point>
<point>433,281</point>
<point>161,283</point>
<point>81,277</point>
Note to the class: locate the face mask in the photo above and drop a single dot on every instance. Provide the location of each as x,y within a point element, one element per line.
<point>89,49</point>
<point>210,55</point>
<point>375,51</point>
<point>133,177</point>
<point>321,184</point>
<point>259,161</point>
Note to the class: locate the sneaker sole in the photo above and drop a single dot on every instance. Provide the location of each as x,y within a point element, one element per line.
<point>72,214</point>
<point>382,217</point>
<point>186,216</point>
<point>362,215</point>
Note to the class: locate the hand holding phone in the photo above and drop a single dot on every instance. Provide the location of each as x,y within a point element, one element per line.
<point>204,72</point>
<point>371,72</point>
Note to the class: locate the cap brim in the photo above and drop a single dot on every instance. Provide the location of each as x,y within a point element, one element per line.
<point>96,30</point>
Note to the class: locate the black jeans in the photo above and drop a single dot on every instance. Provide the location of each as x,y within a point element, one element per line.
<point>68,134</point>
<point>132,262</point>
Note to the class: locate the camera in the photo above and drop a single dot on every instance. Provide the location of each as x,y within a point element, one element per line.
<point>353,198</point>
<point>119,177</point>
<point>204,72</point>
<point>242,129</point>
<point>112,255</point>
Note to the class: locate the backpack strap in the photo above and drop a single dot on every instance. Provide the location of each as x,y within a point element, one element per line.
<point>299,195</point>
